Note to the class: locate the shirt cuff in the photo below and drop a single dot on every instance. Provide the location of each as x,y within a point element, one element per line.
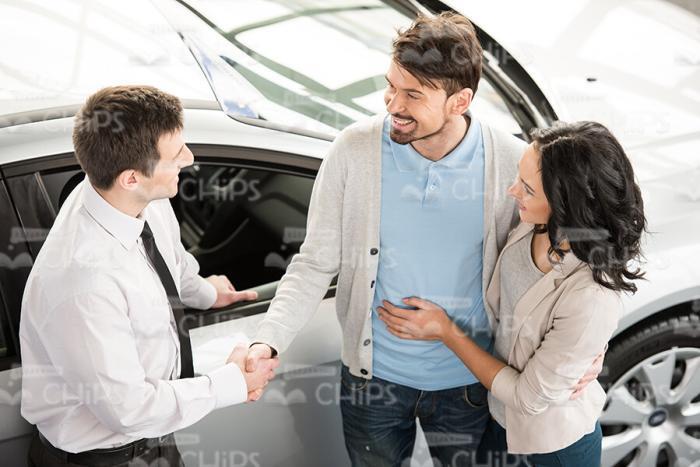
<point>228,385</point>
<point>206,295</point>
<point>268,334</point>
<point>504,384</point>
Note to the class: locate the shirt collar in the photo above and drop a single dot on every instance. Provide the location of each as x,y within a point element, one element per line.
<point>407,159</point>
<point>123,227</point>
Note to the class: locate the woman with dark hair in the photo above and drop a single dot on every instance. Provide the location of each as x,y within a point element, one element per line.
<point>554,299</point>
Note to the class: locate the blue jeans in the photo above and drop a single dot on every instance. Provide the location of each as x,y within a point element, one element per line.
<point>585,452</point>
<point>379,421</point>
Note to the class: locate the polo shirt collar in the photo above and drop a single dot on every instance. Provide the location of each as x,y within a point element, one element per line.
<point>407,159</point>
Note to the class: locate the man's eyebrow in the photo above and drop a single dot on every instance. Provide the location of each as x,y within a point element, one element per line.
<point>407,90</point>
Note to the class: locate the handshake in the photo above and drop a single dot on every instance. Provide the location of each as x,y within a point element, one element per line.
<point>257,365</point>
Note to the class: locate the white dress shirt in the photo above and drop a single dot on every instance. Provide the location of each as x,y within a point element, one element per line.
<point>100,353</point>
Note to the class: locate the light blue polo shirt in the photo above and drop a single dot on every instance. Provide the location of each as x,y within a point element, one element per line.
<point>431,246</point>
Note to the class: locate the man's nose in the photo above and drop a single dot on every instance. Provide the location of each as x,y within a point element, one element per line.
<point>394,104</point>
<point>189,159</point>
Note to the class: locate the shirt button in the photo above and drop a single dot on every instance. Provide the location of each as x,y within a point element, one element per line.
<point>432,187</point>
<point>373,251</point>
<point>366,342</point>
<point>363,371</point>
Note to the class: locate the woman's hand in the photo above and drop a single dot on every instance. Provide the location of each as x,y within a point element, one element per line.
<point>427,322</point>
<point>430,322</point>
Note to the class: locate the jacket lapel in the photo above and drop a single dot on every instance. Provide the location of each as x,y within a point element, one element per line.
<point>493,292</point>
<point>531,300</point>
<point>489,204</point>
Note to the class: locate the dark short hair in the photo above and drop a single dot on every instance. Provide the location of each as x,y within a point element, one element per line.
<point>595,201</point>
<point>118,129</point>
<point>441,50</point>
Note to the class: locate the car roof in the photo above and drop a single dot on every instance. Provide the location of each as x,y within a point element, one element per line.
<point>204,124</point>
<point>69,49</point>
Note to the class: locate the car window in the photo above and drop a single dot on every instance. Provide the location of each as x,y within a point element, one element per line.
<point>6,267</point>
<point>59,184</point>
<point>3,339</point>
<point>38,197</point>
<point>34,208</point>
<point>329,70</point>
<point>488,106</point>
<point>242,222</point>
<point>15,264</point>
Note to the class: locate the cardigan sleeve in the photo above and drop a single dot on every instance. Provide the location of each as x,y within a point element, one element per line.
<point>311,271</point>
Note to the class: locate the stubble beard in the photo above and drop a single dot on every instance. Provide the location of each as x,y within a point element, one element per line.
<point>410,137</point>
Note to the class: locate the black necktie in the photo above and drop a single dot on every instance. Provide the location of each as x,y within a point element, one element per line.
<point>149,243</point>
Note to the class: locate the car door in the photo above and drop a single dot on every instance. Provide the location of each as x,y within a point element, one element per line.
<point>15,263</point>
<point>242,213</point>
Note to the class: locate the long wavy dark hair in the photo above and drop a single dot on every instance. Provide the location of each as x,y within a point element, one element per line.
<point>595,202</point>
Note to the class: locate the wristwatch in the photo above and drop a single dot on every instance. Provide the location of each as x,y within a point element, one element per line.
<point>272,349</point>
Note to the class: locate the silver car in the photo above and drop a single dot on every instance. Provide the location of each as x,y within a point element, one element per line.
<point>266,85</point>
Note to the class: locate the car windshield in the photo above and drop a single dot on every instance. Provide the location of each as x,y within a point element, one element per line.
<point>308,65</point>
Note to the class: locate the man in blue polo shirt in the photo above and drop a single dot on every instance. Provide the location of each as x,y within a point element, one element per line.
<point>431,246</point>
<point>412,203</point>
<point>400,208</point>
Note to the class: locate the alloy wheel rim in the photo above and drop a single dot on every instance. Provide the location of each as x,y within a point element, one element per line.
<point>652,413</point>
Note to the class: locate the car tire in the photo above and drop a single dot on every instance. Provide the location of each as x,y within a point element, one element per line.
<point>652,378</point>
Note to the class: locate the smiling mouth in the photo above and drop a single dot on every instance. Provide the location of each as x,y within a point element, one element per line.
<point>401,123</point>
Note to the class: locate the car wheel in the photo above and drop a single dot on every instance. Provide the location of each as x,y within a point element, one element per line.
<point>652,378</point>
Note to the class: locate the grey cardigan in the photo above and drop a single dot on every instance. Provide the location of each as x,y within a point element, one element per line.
<point>342,238</point>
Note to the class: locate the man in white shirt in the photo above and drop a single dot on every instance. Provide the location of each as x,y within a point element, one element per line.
<point>106,360</point>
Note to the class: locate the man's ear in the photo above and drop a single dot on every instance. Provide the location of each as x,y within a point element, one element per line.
<point>128,180</point>
<point>461,100</point>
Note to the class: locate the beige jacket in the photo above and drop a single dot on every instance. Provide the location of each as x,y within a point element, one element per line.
<point>559,326</point>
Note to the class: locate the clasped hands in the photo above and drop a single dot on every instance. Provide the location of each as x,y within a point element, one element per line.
<point>257,365</point>
<point>256,362</point>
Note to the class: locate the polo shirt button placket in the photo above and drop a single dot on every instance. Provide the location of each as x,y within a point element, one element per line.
<point>432,177</point>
